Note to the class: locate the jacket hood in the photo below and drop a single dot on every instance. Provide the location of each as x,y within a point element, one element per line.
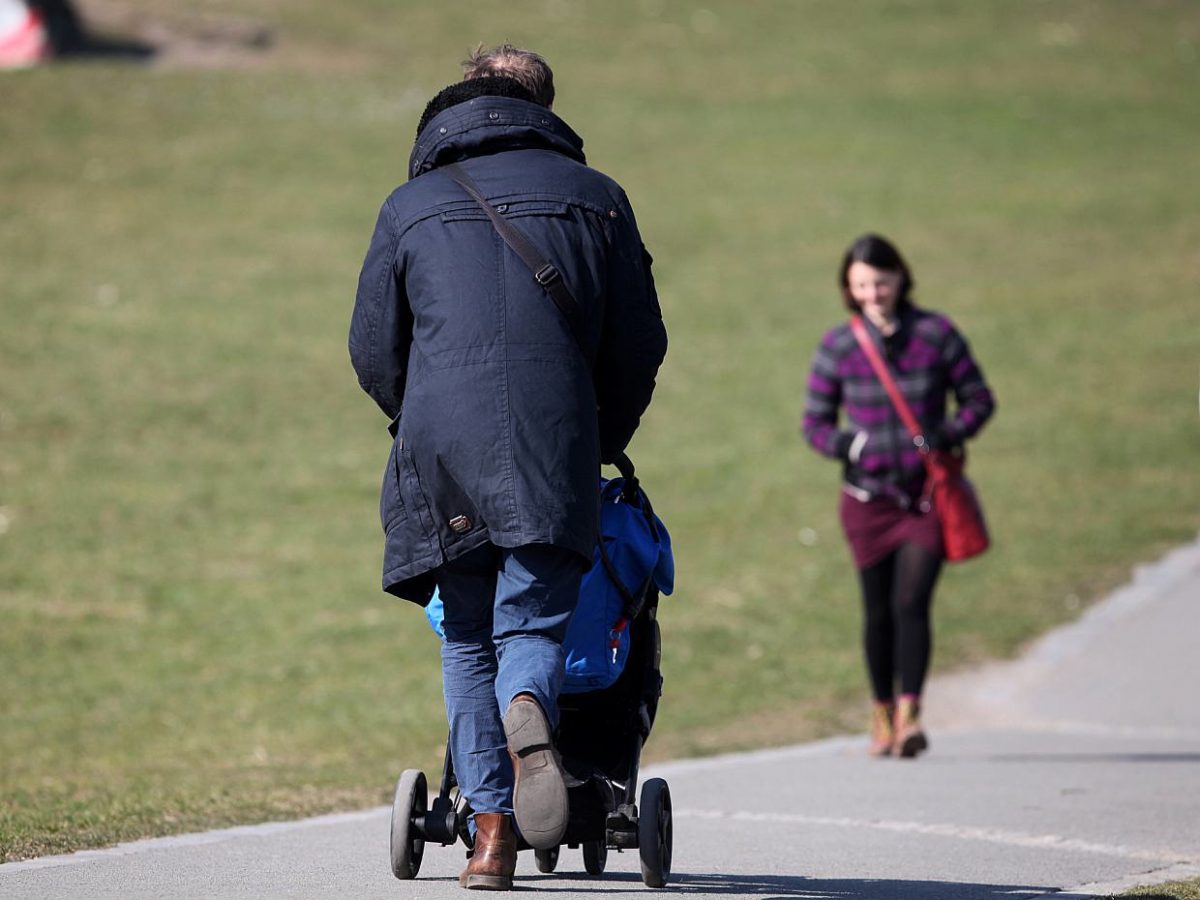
<point>490,125</point>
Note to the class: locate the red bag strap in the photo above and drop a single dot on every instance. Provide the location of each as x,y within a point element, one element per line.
<point>885,378</point>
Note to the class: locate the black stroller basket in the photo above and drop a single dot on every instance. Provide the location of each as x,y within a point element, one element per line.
<point>600,738</point>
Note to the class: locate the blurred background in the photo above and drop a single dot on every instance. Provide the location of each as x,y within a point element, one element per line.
<point>192,631</point>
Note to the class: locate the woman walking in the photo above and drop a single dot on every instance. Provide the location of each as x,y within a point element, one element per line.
<point>894,537</point>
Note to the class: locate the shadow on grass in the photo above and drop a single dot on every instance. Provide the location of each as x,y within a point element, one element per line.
<point>785,886</point>
<point>125,36</point>
<point>71,38</point>
<point>104,48</point>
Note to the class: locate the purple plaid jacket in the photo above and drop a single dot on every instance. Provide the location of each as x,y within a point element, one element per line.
<point>928,358</point>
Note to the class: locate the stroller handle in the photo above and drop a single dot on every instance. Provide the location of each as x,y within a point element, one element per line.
<point>625,466</point>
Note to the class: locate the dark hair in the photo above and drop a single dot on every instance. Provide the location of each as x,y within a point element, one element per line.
<point>525,66</point>
<point>882,254</point>
<point>462,91</point>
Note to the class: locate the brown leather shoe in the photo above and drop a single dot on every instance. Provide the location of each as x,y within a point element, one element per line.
<point>539,782</point>
<point>910,738</point>
<point>882,733</point>
<point>494,859</point>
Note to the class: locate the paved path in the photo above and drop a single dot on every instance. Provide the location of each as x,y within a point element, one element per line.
<point>1075,770</point>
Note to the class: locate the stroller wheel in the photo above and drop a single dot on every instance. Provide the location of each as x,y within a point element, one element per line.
<point>595,855</point>
<point>654,833</point>
<point>408,843</point>
<point>547,860</point>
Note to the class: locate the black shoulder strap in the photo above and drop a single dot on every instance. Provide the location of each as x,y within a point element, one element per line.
<point>544,272</point>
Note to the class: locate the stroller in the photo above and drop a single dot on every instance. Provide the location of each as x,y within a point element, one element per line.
<point>606,709</point>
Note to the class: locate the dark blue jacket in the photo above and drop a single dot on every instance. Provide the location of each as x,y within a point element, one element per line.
<point>499,424</point>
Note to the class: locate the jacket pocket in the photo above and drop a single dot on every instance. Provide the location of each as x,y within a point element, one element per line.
<point>391,507</point>
<point>414,529</point>
<point>511,210</point>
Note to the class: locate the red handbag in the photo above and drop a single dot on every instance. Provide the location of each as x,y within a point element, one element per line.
<point>964,531</point>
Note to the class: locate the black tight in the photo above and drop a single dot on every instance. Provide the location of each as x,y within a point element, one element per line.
<point>897,595</point>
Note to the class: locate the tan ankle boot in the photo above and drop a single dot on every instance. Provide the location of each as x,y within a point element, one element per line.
<point>909,738</point>
<point>494,860</point>
<point>882,734</point>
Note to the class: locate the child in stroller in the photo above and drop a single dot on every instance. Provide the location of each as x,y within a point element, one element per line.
<point>607,708</point>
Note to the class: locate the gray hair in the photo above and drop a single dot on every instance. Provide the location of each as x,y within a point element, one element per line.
<point>529,69</point>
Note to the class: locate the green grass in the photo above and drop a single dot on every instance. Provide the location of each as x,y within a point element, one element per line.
<point>1176,890</point>
<point>192,630</point>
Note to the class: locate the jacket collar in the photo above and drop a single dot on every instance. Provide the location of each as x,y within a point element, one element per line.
<point>489,125</point>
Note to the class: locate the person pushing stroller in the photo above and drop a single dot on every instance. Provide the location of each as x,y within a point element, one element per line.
<point>504,400</point>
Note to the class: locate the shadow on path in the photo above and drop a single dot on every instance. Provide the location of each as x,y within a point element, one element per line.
<point>1074,758</point>
<point>793,886</point>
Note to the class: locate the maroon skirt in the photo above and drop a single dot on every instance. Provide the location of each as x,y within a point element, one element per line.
<point>878,527</point>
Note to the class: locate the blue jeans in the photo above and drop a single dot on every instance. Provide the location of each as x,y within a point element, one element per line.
<point>506,614</point>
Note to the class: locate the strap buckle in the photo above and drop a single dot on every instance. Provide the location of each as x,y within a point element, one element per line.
<point>547,275</point>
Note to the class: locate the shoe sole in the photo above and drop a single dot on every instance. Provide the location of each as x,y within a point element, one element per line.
<point>488,883</point>
<point>540,792</point>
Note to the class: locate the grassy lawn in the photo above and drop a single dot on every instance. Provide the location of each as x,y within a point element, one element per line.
<point>191,628</point>
<point>1176,890</point>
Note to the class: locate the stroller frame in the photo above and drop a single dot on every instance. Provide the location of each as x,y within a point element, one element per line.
<point>600,737</point>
